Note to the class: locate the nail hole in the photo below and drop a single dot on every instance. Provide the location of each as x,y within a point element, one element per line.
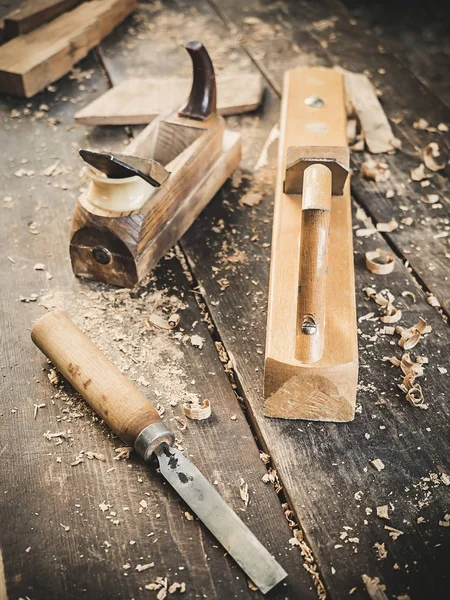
<point>314,101</point>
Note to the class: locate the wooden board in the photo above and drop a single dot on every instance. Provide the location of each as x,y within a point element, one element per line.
<point>32,61</point>
<point>318,461</point>
<point>138,101</point>
<point>41,559</point>
<point>31,15</point>
<point>326,389</point>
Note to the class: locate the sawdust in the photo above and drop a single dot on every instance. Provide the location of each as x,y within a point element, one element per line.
<point>117,321</point>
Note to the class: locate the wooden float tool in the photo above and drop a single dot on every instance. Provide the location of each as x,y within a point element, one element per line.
<point>311,364</point>
<point>138,204</point>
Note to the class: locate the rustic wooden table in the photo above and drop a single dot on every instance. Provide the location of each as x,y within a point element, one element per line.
<point>77,519</point>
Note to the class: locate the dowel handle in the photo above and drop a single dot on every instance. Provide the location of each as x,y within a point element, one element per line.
<point>314,246</point>
<point>113,397</point>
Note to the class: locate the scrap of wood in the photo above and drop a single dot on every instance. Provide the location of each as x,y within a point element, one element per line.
<point>138,101</point>
<point>31,15</point>
<point>30,62</point>
<point>374,123</point>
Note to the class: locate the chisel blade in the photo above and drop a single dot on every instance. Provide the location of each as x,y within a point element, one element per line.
<point>219,518</point>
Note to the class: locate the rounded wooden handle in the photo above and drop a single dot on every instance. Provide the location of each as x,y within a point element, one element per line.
<point>314,246</point>
<point>113,397</point>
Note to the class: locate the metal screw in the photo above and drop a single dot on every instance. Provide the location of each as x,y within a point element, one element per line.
<point>101,255</point>
<point>308,326</point>
<point>314,101</point>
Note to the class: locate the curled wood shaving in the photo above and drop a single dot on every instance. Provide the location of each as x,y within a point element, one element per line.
<point>380,262</point>
<point>161,323</point>
<point>411,337</point>
<point>375,170</point>
<point>197,411</point>
<point>411,294</point>
<point>429,153</point>
<point>394,315</point>
<point>411,371</point>
<point>430,199</point>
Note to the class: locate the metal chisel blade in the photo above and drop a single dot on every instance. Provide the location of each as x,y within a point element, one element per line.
<point>219,518</point>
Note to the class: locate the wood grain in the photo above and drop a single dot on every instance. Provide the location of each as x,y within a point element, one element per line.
<point>138,101</point>
<point>31,15</point>
<point>109,393</point>
<point>41,558</point>
<point>32,61</point>
<point>287,303</point>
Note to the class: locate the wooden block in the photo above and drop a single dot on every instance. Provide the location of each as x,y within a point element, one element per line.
<point>31,15</point>
<point>30,62</point>
<point>138,101</point>
<point>326,389</point>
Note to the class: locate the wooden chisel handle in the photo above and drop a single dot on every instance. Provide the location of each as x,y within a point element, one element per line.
<point>314,245</point>
<point>113,397</point>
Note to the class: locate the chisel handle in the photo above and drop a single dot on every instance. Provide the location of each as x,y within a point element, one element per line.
<point>314,246</point>
<point>113,397</point>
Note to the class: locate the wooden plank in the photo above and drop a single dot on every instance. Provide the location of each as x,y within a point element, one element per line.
<point>89,555</point>
<point>227,248</point>
<point>30,62</point>
<point>138,101</point>
<point>334,461</point>
<point>416,33</point>
<point>404,99</point>
<point>31,15</point>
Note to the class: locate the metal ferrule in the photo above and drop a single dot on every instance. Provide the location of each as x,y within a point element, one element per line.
<point>151,437</point>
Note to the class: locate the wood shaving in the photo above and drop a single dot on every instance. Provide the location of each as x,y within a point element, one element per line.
<point>410,294</point>
<point>162,323</point>
<point>123,452</point>
<point>380,262</point>
<point>411,337</point>
<point>140,568</point>
<point>429,153</point>
<point>446,521</point>
<point>392,225</point>
<point>430,199</point>
<point>243,491</point>
<point>433,301</point>
<point>418,173</point>
<point>365,232</point>
<point>421,124</point>
<point>378,464</point>
<point>264,457</point>
<point>376,170</point>
<point>393,533</point>
<point>393,315</point>
<point>374,588</point>
<point>196,411</point>
<point>251,199</point>
<point>36,409</point>
<point>411,371</point>
<point>383,512</point>
<point>442,127</point>
<point>197,341</point>
<point>181,587</point>
<point>381,551</point>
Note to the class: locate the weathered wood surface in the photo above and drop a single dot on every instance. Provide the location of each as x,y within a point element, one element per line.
<point>322,466</point>
<point>138,101</point>
<point>30,62</point>
<point>30,15</point>
<point>416,32</point>
<point>42,497</point>
<point>295,32</point>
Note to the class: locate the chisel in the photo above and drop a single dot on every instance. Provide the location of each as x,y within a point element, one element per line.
<point>132,417</point>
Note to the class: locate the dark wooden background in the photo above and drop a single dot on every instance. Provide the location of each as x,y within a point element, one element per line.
<point>55,540</point>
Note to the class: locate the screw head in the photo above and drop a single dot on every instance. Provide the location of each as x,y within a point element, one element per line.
<point>308,326</point>
<point>314,101</point>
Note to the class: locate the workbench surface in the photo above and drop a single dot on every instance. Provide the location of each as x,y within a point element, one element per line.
<point>80,519</point>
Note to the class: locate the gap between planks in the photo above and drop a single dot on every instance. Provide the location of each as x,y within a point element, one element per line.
<point>276,88</point>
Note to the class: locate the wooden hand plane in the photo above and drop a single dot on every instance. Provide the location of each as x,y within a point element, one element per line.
<point>138,204</point>
<point>311,364</point>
